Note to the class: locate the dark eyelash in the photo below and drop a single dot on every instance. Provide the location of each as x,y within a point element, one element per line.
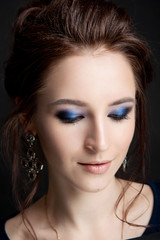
<point>119,117</point>
<point>71,117</point>
<point>63,117</point>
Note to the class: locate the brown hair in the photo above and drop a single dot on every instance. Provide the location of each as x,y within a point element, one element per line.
<point>47,31</point>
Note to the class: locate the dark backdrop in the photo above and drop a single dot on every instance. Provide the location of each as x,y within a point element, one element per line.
<point>146,17</point>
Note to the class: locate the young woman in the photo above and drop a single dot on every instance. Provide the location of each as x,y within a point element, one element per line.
<point>77,75</point>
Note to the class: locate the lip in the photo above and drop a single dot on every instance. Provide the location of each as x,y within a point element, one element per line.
<point>96,167</point>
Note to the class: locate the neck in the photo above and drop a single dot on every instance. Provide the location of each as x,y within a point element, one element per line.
<point>69,204</point>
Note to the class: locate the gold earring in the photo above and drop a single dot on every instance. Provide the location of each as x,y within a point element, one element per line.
<point>31,163</point>
<point>125,164</point>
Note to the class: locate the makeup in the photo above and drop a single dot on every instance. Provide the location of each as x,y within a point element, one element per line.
<point>99,168</point>
<point>120,113</point>
<point>69,116</point>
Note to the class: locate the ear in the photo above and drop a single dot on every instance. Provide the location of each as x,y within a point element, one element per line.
<point>29,127</point>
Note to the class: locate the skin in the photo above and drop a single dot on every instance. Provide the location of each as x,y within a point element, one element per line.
<point>81,203</point>
<point>93,81</point>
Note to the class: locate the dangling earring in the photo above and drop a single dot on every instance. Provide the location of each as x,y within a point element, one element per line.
<point>31,162</point>
<point>125,164</point>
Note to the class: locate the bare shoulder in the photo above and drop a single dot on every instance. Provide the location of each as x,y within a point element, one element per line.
<point>135,188</point>
<point>15,228</point>
<point>143,200</point>
<point>145,193</point>
<point>138,203</point>
<point>21,226</point>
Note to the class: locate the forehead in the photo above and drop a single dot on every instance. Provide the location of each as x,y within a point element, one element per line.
<point>91,76</point>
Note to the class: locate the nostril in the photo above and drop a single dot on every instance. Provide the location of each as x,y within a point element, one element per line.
<point>90,148</point>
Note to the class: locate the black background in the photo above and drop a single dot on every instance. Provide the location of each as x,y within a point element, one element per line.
<point>146,18</point>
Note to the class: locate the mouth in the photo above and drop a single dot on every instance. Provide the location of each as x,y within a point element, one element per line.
<point>96,167</point>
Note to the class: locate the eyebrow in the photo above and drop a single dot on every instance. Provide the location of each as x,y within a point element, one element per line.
<point>69,101</point>
<point>83,104</point>
<point>123,100</point>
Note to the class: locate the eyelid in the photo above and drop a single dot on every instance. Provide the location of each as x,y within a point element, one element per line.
<point>69,116</point>
<point>71,111</point>
<point>73,116</point>
<point>122,108</point>
<point>124,111</point>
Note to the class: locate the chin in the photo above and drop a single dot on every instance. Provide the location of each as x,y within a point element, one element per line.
<point>93,185</point>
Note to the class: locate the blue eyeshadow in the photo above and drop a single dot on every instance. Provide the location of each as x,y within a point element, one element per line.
<point>122,111</point>
<point>68,114</point>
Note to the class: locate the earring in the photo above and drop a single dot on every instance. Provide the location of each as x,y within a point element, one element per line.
<point>31,163</point>
<point>125,164</point>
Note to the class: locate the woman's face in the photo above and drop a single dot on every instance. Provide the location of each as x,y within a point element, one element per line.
<point>86,119</point>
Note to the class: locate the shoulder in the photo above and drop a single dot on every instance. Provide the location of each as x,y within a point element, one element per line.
<point>140,192</point>
<point>3,234</point>
<point>24,225</point>
<point>14,228</point>
<point>145,209</point>
<point>9,226</point>
<point>139,202</point>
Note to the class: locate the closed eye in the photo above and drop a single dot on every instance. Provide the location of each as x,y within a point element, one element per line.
<point>120,113</point>
<point>69,116</point>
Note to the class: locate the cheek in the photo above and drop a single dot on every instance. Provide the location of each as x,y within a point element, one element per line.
<point>57,140</point>
<point>124,135</point>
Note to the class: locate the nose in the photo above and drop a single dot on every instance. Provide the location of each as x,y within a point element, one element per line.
<point>97,139</point>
